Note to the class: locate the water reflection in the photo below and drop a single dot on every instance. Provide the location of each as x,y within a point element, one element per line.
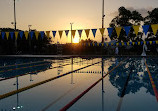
<point>138,79</point>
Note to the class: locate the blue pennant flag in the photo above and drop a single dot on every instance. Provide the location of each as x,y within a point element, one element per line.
<point>3,34</point>
<point>145,28</point>
<point>120,44</point>
<point>110,30</point>
<point>54,33</point>
<point>125,43</point>
<point>66,32</point>
<point>147,42</point>
<point>136,43</point>
<point>127,30</point>
<point>42,34</point>
<point>142,42</point>
<point>21,34</point>
<point>31,34</point>
<point>11,35</point>
<point>130,43</point>
<point>94,32</point>
<point>154,42</point>
<point>80,32</point>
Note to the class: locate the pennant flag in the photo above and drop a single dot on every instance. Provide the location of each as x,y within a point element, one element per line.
<point>48,32</point>
<point>67,32</point>
<point>102,31</point>
<point>147,42</point>
<point>142,42</point>
<point>11,35</point>
<point>154,28</point>
<point>7,35</point>
<point>94,32</point>
<point>54,33</point>
<point>87,32</point>
<point>110,30</point>
<point>157,42</point>
<point>73,33</point>
<point>16,35</point>
<point>145,28</point>
<point>128,43</point>
<point>118,30</point>
<point>31,34</point>
<point>3,34</point>
<point>42,34</point>
<point>21,34</point>
<point>150,42</point>
<point>136,29</point>
<point>133,43</point>
<point>154,42</point>
<point>138,43</point>
<point>80,32</point>
<point>26,33</point>
<point>127,30</point>
<point>60,33</point>
<point>0,33</point>
<point>36,34</point>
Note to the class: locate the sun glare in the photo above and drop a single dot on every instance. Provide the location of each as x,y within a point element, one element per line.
<point>76,40</point>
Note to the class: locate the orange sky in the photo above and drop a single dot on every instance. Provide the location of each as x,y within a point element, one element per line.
<point>51,15</point>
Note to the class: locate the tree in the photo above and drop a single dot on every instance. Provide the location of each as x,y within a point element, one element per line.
<point>152,17</point>
<point>125,18</point>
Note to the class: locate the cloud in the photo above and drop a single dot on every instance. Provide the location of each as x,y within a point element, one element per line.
<point>143,11</point>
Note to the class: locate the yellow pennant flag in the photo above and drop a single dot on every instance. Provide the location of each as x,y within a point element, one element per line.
<point>107,44</point>
<point>128,43</point>
<point>98,44</point>
<point>144,42</point>
<point>150,42</point>
<point>154,28</point>
<point>7,35</point>
<point>133,43</point>
<point>87,32</point>
<point>73,33</point>
<point>0,33</point>
<point>60,33</point>
<point>16,35</point>
<point>89,44</point>
<point>138,43</point>
<point>123,44</point>
<point>136,29</point>
<point>36,34</point>
<point>117,44</point>
<point>48,33</point>
<point>118,30</point>
<point>26,33</point>
<point>157,42</point>
<point>102,31</point>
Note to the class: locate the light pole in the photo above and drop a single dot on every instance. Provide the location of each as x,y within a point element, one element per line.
<point>14,16</point>
<point>71,31</point>
<point>15,27</point>
<point>29,27</point>
<point>103,15</point>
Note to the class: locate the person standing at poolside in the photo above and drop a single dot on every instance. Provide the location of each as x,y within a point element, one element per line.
<point>116,50</point>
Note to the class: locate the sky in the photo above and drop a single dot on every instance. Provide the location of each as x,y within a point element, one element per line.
<point>46,15</point>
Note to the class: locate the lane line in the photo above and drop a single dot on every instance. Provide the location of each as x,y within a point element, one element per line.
<point>152,82</point>
<point>40,83</point>
<point>67,106</point>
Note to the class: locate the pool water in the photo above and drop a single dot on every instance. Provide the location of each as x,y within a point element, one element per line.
<point>127,88</point>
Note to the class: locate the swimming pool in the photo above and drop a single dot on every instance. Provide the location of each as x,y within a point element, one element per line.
<point>132,86</point>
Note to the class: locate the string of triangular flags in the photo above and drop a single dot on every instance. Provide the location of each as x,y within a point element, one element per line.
<point>120,43</point>
<point>127,29</point>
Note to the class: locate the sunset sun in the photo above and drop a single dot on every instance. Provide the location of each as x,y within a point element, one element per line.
<point>76,40</point>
